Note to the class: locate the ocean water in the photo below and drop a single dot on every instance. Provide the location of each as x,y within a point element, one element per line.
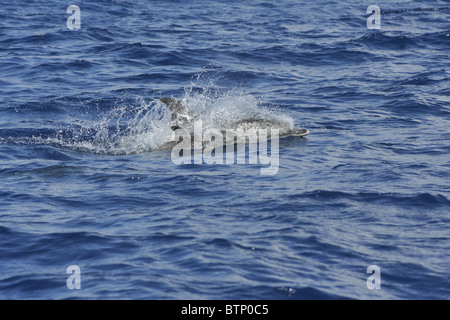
<point>85,181</point>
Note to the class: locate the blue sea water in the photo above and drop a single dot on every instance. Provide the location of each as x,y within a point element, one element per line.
<point>84,183</point>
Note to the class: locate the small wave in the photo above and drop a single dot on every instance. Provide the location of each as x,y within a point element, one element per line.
<point>382,41</point>
<point>414,10</point>
<point>36,39</point>
<point>413,108</point>
<point>426,200</point>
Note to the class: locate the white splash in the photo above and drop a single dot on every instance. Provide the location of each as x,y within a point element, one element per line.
<point>146,126</point>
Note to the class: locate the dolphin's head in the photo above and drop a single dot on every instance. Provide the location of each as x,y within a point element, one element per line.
<point>300,132</point>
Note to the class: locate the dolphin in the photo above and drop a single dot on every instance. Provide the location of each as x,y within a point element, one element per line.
<point>182,115</point>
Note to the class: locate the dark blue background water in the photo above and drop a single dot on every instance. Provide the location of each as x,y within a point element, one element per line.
<point>369,185</point>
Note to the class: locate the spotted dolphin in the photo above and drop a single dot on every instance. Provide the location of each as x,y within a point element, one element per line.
<point>181,116</point>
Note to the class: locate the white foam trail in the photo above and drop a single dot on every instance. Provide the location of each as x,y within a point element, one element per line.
<point>133,129</point>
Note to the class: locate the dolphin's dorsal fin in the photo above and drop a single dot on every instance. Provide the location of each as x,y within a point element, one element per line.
<point>175,106</point>
<point>180,113</point>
